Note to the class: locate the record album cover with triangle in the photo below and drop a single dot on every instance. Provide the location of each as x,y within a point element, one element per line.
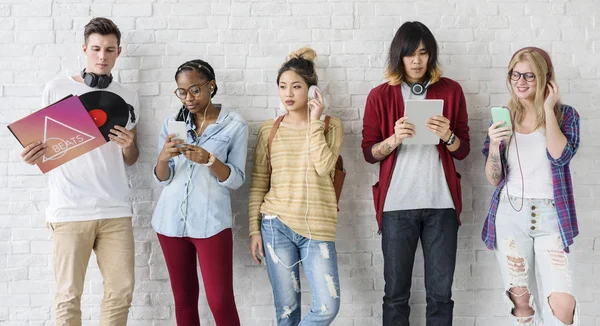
<point>65,126</point>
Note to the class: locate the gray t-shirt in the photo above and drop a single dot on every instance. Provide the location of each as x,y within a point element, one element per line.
<point>418,180</point>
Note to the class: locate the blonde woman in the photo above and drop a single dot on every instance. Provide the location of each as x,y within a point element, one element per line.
<point>532,221</point>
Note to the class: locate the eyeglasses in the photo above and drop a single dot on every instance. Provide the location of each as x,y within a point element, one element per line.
<point>528,76</point>
<point>195,90</point>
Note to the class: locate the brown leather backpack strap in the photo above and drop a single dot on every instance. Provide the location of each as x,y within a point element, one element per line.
<point>326,128</point>
<point>274,128</point>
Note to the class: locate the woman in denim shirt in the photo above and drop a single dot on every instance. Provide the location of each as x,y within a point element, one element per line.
<point>193,215</point>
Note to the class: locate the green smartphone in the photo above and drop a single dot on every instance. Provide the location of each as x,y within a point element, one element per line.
<point>500,113</point>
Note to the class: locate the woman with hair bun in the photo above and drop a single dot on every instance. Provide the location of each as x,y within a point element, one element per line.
<point>293,206</point>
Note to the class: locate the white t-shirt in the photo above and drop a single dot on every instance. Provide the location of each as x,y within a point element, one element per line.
<point>418,180</point>
<point>536,168</point>
<point>94,185</point>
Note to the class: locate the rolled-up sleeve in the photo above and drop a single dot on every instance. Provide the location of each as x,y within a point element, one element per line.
<point>236,160</point>
<point>161,142</point>
<point>461,129</point>
<point>569,128</point>
<point>371,132</point>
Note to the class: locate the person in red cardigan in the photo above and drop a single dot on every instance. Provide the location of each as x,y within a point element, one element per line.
<point>418,195</point>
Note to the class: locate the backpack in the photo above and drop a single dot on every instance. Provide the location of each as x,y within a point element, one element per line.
<point>340,173</point>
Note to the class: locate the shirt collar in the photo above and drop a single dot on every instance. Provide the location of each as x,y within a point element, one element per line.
<point>191,125</point>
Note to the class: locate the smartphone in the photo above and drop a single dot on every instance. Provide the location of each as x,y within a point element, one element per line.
<point>500,113</point>
<point>179,129</point>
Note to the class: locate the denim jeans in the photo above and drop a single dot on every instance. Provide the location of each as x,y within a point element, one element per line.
<point>283,248</point>
<point>529,241</point>
<point>401,230</point>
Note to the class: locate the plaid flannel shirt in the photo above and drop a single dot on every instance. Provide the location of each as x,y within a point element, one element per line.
<point>561,181</point>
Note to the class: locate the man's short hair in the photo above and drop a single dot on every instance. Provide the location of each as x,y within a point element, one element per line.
<point>102,26</point>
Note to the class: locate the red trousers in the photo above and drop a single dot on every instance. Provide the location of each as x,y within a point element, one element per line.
<point>215,255</point>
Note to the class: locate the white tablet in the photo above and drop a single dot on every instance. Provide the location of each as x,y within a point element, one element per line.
<point>417,112</point>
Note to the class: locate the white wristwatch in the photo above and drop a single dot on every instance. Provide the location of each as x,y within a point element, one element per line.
<point>211,159</point>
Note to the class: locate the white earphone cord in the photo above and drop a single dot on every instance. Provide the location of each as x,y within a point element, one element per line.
<point>520,170</point>
<point>307,198</point>
<point>189,167</point>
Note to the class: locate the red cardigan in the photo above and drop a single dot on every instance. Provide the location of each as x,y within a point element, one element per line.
<point>385,106</point>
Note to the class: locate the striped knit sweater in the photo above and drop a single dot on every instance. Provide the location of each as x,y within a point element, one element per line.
<point>287,195</point>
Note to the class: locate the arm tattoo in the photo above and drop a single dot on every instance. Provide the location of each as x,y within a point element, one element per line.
<point>495,167</point>
<point>381,150</point>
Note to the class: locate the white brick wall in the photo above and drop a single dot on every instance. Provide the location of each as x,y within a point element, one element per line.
<point>246,41</point>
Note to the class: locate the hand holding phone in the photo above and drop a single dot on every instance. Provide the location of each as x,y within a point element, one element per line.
<point>179,129</point>
<point>174,141</point>
<point>501,128</point>
<point>171,148</point>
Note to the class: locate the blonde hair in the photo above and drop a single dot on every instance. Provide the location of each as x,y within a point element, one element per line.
<point>305,52</point>
<point>541,70</point>
<point>302,62</point>
<point>397,78</point>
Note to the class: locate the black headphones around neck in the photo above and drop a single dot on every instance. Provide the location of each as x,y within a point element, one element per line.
<point>96,81</point>
<point>418,88</point>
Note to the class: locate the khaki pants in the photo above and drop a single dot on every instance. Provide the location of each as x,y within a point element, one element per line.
<point>112,241</point>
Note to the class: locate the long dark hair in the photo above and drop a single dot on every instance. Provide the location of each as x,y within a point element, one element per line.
<point>405,43</point>
<point>302,62</point>
<point>205,70</point>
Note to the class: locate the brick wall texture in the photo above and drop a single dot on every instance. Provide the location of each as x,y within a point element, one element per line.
<point>246,41</point>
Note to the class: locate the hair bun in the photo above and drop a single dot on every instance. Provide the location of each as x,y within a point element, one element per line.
<point>306,53</point>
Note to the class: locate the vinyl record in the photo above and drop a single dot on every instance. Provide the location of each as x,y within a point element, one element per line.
<point>107,109</point>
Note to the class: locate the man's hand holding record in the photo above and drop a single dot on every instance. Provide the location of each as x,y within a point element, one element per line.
<point>122,136</point>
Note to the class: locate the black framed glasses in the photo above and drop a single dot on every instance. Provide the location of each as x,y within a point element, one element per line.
<point>528,76</point>
<point>195,90</point>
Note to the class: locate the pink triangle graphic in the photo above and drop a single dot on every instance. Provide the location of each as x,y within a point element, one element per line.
<point>57,124</point>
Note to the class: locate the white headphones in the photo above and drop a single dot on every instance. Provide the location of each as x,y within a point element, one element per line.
<point>312,94</point>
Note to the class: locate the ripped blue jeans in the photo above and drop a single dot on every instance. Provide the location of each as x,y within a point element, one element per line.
<point>283,248</point>
<point>528,245</point>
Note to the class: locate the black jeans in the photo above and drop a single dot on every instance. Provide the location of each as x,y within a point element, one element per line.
<point>438,230</point>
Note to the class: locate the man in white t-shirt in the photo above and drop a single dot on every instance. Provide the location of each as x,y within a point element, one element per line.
<point>89,208</point>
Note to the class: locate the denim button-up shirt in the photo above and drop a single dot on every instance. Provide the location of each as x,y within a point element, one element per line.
<point>194,203</point>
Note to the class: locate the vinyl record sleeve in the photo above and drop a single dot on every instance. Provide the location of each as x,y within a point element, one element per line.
<point>66,128</point>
